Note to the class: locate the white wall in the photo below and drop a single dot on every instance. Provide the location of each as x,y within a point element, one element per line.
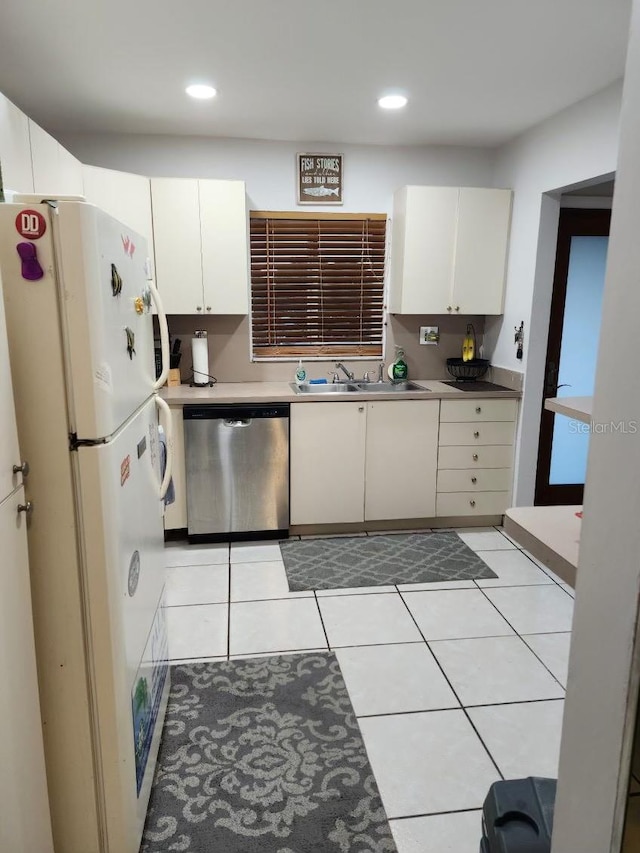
<point>602,686</point>
<point>573,146</point>
<point>371,172</point>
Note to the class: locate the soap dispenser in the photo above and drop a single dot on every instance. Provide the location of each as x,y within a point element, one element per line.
<point>301,373</point>
<point>399,369</point>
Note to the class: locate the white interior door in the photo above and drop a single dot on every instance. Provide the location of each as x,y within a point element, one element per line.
<point>9,452</point>
<point>25,823</point>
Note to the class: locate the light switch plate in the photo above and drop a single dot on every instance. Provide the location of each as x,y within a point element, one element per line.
<point>429,335</point>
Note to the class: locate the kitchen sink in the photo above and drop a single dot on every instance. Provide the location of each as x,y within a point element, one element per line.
<point>390,387</point>
<point>329,388</point>
<point>356,387</point>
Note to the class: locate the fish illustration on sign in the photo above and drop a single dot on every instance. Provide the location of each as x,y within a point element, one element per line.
<point>321,191</point>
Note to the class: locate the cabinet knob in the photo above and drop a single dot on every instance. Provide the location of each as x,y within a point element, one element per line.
<point>474,480</point>
<point>27,508</point>
<point>472,503</point>
<point>476,434</point>
<point>478,410</point>
<point>208,307</point>
<point>457,307</point>
<point>475,457</point>
<point>448,307</point>
<point>361,408</point>
<point>198,307</point>
<point>22,468</point>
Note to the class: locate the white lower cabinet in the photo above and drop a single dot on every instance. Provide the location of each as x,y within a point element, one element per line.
<point>363,461</point>
<point>401,459</point>
<point>327,462</point>
<point>175,516</point>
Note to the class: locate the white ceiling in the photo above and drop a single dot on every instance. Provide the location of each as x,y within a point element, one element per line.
<point>477,72</point>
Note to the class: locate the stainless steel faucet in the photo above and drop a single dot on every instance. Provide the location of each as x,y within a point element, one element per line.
<point>340,366</point>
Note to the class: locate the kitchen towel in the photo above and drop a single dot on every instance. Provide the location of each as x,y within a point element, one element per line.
<point>352,561</point>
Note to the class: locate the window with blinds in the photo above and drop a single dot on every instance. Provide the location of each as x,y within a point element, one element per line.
<point>317,284</point>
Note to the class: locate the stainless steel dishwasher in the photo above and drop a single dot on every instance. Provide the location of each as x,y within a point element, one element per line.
<point>237,466</point>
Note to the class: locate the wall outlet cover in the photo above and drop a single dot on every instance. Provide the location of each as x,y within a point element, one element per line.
<point>429,335</point>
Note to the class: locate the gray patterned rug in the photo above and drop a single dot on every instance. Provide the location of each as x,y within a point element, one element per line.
<point>351,561</point>
<point>264,756</point>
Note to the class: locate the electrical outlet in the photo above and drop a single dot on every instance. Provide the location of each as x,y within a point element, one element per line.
<point>429,335</point>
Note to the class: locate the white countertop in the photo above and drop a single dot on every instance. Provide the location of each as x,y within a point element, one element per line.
<point>551,533</point>
<point>281,392</point>
<point>578,408</point>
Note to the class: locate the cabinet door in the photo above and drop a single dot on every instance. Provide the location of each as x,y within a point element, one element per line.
<point>484,216</point>
<point>327,447</point>
<point>176,234</point>
<point>225,246</point>
<point>15,149</point>
<point>401,459</point>
<point>124,196</point>
<point>423,246</point>
<point>25,824</point>
<point>175,515</point>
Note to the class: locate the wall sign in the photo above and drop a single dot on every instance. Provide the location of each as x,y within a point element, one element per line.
<point>320,178</point>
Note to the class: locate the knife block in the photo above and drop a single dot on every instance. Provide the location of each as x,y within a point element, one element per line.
<point>174,377</point>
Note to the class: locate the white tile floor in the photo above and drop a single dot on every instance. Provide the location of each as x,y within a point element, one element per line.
<point>455,685</point>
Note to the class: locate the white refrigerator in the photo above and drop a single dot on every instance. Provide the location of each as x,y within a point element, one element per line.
<point>79,323</point>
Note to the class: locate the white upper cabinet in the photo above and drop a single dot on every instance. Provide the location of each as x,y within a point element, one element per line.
<point>55,170</point>
<point>15,149</point>
<point>449,250</point>
<point>202,245</point>
<point>224,228</point>
<point>124,196</point>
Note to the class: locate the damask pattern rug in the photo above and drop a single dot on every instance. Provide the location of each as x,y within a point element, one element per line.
<point>352,561</point>
<point>264,756</point>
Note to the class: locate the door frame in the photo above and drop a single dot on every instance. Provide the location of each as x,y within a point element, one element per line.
<point>573,222</point>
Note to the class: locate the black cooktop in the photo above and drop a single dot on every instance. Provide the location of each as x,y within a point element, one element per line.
<point>476,385</point>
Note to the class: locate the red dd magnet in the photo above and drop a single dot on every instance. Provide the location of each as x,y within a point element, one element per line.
<point>30,224</point>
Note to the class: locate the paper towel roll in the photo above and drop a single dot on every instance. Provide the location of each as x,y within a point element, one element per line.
<point>200,356</point>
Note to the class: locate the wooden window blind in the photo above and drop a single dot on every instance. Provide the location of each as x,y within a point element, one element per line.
<point>317,284</point>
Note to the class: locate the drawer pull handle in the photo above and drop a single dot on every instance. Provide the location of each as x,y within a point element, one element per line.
<point>478,410</point>
<point>474,479</point>
<point>472,503</point>
<point>476,434</point>
<point>475,457</point>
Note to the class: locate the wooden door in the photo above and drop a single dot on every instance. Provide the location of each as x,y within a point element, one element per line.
<point>552,487</point>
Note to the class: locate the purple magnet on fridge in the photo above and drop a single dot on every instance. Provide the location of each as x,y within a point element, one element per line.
<point>31,269</point>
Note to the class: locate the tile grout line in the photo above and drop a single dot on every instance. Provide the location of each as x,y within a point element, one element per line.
<point>527,646</point>
<point>435,814</point>
<point>451,687</point>
<point>229,605</point>
<point>457,708</point>
<point>533,560</point>
<point>324,630</point>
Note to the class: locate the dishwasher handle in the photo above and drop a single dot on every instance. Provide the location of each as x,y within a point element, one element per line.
<point>235,423</point>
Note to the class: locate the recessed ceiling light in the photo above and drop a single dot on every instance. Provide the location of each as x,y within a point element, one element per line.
<point>200,91</point>
<point>392,102</point>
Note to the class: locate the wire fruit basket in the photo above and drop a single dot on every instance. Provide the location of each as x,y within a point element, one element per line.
<point>467,370</point>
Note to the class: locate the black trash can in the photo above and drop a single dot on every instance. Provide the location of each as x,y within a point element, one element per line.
<point>517,816</point>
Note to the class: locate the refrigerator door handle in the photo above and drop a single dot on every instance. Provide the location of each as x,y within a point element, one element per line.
<point>168,430</point>
<point>164,336</point>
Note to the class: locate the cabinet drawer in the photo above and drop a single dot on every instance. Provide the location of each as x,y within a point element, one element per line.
<point>477,433</point>
<point>462,411</point>
<point>492,456</point>
<point>479,503</point>
<point>475,480</point>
